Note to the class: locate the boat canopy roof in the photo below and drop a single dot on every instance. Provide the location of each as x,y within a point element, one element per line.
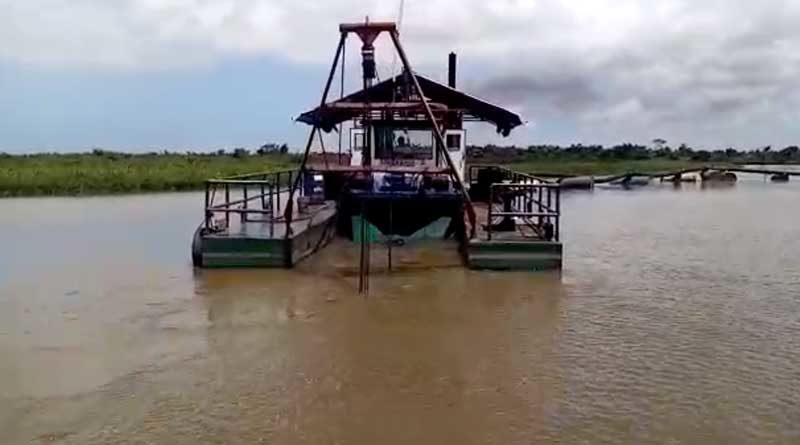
<point>384,96</point>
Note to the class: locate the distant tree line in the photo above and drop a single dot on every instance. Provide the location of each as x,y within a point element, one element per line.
<point>269,148</point>
<point>628,151</point>
<point>659,149</point>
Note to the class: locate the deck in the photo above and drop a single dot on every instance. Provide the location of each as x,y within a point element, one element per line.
<point>254,229</point>
<point>244,222</point>
<point>522,249</point>
<point>415,169</point>
<point>265,244</point>
<point>523,232</point>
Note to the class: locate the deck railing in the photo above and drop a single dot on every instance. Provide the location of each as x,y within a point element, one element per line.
<point>247,195</point>
<point>480,177</point>
<point>537,205</point>
<point>507,174</point>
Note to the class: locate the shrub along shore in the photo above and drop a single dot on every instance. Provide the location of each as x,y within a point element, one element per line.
<point>109,173</point>
<point>103,172</point>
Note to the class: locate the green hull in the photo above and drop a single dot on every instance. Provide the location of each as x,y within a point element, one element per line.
<point>515,255</point>
<point>229,250</point>
<point>433,231</point>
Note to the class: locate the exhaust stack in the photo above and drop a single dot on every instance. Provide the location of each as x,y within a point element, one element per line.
<point>451,70</point>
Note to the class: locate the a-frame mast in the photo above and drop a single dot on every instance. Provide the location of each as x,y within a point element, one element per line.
<point>368,32</point>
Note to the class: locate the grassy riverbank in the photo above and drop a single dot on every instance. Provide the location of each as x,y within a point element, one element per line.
<point>106,173</point>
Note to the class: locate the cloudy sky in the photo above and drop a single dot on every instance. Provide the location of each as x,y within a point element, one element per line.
<point>204,74</point>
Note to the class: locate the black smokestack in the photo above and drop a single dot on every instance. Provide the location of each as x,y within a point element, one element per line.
<point>451,70</point>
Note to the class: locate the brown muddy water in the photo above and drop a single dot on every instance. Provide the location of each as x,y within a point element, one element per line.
<point>676,320</point>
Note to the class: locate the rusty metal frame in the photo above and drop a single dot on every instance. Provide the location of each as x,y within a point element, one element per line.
<point>548,204</point>
<point>290,204</point>
<point>270,186</point>
<point>368,32</point>
<point>441,145</point>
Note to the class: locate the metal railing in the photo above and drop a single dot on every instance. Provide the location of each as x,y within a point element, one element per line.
<point>247,195</point>
<point>506,173</point>
<point>480,177</point>
<point>537,205</point>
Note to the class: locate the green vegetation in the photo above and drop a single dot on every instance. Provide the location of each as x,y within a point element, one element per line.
<point>597,160</point>
<point>102,172</point>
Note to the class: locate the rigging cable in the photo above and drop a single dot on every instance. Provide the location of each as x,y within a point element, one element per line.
<point>341,96</point>
<point>394,56</point>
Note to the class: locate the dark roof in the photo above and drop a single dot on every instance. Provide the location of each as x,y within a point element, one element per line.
<point>333,113</point>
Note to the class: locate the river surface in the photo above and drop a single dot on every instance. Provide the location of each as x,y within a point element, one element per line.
<point>676,321</point>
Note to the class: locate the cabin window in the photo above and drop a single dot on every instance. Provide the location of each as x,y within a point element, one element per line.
<point>358,141</point>
<point>453,142</point>
<point>416,144</point>
<point>400,143</point>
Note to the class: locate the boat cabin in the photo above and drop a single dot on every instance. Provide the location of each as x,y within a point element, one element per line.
<point>401,178</point>
<point>396,131</point>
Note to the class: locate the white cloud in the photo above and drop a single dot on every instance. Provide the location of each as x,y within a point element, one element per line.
<point>637,67</point>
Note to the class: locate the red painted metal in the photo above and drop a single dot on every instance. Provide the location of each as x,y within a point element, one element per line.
<point>381,169</point>
<point>368,28</point>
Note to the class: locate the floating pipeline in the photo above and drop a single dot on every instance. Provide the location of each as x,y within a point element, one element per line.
<point>577,183</point>
<point>718,176</point>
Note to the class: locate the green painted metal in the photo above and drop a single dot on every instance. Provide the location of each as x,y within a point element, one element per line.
<point>480,246</point>
<point>434,230</point>
<point>219,260</point>
<point>373,234</point>
<point>242,245</point>
<point>219,251</point>
<point>307,242</point>
<point>515,255</point>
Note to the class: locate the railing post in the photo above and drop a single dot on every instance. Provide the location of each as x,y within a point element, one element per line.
<point>263,197</point>
<point>272,210</point>
<point>227,205</point>
<point>244,204</point>
<point>539,204</point>
<point>558,215</point>
<point>207,220</point>
<point>529,197</point>
<point>489,215</point>
<point>278,189</point>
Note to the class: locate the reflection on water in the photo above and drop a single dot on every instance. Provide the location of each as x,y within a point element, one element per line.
<point>676,320</point>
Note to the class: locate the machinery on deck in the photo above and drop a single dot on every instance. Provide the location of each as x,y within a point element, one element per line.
<point>403,174</point>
